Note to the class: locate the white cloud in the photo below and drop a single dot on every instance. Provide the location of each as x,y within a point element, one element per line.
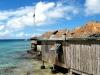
<point>3,16</point>
<point>2,27</point>
<point>45,13</point>
<point>4,33</point>
<point>92,7</point>
<point>52,11</point>
<point>62,12</point>
<point>41,9</point>
<point>22,34</point>
<point>36,34</point>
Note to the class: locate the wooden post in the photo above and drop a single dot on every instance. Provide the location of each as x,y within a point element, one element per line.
<point>42,66</point>
<point>64,36</point>
<point>70,72</point>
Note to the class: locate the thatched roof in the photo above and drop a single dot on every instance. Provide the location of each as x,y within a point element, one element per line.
<point>61,32</point>
<point>46,35</point>
<point>56,34</point>
<point>89,29</point>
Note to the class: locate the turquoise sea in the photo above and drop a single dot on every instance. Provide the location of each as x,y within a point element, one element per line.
<point>11,51</point>
<point>14,59</point>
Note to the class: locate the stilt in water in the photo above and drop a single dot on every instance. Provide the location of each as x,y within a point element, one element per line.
<point>42,66</point>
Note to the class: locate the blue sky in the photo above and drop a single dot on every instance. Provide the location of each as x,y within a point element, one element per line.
<point>17,21</point>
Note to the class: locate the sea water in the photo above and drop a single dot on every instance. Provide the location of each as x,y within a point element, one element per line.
<point>11,50</point>
<point>13,63</point>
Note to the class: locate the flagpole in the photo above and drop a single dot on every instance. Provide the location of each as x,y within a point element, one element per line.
<point>34,15</point>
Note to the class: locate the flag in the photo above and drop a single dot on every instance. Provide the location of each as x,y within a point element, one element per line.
<point>34,15</point>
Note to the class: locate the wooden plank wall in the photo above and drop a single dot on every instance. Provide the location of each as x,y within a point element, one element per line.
<point>47,54</point>
<point>83,57</point>
<point>98,59</point>
<point>52,56</point>
<point>78,56</point>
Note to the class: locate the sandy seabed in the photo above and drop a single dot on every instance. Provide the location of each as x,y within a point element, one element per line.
<point>33,68</point>
<point>29,67</point>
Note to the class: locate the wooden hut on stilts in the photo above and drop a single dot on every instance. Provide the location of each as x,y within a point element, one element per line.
<point>73,55</point>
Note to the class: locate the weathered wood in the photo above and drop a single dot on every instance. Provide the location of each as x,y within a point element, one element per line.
<point>80,55</point>
<point>83,57</point>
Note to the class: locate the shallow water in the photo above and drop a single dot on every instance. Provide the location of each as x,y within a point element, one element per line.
<point>32,67</point>
<point>12,61</point>
<point>10,51</point>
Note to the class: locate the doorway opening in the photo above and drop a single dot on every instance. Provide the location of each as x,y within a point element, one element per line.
<point>59,51</point>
